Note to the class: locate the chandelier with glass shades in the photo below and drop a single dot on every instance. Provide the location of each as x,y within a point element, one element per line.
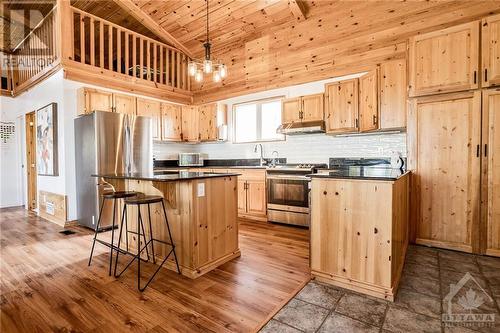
<point>197,68</point>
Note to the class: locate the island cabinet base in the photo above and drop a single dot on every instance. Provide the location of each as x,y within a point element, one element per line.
<point>202,214</point>
<point>359,233</point>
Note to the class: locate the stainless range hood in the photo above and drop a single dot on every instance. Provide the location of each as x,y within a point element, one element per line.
<point>306,127</point>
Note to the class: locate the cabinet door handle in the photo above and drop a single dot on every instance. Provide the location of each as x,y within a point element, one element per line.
<point>356,123</point>
<point>374,120</point>
<point>477,151</point>
<point>475,76</point>
<point>486,75</point>
<point>485,150</point>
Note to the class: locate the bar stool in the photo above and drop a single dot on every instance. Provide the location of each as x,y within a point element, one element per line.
<point>115,195</point>
<point>139,201</point>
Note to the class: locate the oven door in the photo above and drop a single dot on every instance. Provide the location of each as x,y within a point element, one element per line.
<point>288,192</point>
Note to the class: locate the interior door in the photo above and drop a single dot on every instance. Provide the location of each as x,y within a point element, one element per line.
<point>31,169</point>
<point>491,171</point>
<point>368,101</point>
<point>491,50</point>
<point>124,104</point>
<point>445,60</point>
<point>312,107</point>
<point>290,110</point>
<point>444,136</point>
<point>342,106</point>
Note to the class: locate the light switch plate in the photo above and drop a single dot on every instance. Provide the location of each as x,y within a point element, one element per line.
<point>201,189</point>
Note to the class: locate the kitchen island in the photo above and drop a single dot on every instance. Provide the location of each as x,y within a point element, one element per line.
<point>359,228</point>
<point>202,212</point>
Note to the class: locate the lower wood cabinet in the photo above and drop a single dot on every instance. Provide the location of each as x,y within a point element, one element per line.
<point>252,201</point>
<point>359,233</point>
<point>490,210</point>
<point>444,150</point>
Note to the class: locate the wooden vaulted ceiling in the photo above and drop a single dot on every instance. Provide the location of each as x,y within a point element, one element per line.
<point>18,18</point>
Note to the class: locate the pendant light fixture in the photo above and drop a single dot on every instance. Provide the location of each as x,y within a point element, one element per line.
<point>197,68</point>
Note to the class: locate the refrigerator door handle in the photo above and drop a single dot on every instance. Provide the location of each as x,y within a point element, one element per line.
<point>127,148</point>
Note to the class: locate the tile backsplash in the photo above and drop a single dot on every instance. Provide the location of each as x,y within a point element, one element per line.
<point>313,148</point>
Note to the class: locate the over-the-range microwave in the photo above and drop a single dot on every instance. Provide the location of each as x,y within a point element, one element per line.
<point>190,159</point>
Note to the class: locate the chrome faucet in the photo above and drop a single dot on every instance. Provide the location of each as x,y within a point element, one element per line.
<point>262,161</point>
<point>274,160</point>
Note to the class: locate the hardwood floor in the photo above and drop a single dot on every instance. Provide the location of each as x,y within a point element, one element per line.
<point>46,285</point>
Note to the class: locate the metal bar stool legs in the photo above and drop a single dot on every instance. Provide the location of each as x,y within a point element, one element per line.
<point>143,200</point>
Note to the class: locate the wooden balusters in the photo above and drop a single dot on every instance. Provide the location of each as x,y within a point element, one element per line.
<point>101,44</point>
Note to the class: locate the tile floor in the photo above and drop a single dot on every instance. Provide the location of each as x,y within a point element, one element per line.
<point>419,304</point>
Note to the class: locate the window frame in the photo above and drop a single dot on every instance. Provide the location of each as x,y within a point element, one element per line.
<point>258,103</point>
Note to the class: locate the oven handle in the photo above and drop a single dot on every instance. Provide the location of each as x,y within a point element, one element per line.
<point>286,177</point>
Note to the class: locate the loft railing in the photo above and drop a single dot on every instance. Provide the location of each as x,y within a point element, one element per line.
<point>110,47</point>
<point>5,74</point>
<point>35,55</point>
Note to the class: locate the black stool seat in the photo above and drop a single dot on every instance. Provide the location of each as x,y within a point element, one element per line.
<point>143,199</point>
<point>120,194</point>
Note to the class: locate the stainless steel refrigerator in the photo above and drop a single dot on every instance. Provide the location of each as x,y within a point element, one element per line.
<point>108,143</point>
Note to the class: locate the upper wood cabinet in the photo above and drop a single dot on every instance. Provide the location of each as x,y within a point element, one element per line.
<point>151,108</point>
<point>290,110</point>
<point>393,90</point>
<point>171,122</point>
<point>444,137</point>
<point>490,213</point>
<point>491,50</point>
<point>303,108</point>
<point>208,122</point>
<point>368,101</point>
<point>125,104</point>
<point>90,100</point>
<point>445,60</point>
<point>342,106</point>
<point>190,123</point>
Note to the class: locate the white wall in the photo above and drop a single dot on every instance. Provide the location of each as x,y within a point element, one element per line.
<point>314,148</point>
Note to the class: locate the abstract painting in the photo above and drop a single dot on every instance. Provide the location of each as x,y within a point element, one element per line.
<point>46,140</point>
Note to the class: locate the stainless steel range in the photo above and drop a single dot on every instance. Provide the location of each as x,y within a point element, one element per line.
<point>288,189</point>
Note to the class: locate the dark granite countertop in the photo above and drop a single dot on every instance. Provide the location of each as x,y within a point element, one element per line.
<point>166,176</point>
<point>361,172</point>
<point>212,167</point>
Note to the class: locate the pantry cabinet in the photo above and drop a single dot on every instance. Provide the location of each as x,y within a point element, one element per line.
<point>490,210</point>
<point>490,47</point>
<point>171,120</point>
<point>90,100</point>
<point>151,108</point>
<point>303,108</point>
<point>444,148</point>
<point>393,91</point>
<point>125,104</point>
<point>341,101</point>
<point>190,123</point>
<point>446,60</point>
<point>368,101</point>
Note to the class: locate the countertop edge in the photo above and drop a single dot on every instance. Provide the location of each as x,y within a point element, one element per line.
<point>389,179</point>
<point>159,179</point>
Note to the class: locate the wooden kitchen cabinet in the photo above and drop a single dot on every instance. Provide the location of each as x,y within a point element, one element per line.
<point>303,108</point>
<point>368,101</point>
<point>190,123</point>
<point>490,48</point>
<point>252,202</point>
<point>171,122</point>
<point>125,104</point>
<point>444,138</point>
<point>359,233</point>
<point>490,210</point>
<point>208,122</point>
<point>151,108</point>
<point>393,91</point>
<point>342,106</point>
<point>290,110</point>
<point>90,100</point>
<point>446,60</point>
